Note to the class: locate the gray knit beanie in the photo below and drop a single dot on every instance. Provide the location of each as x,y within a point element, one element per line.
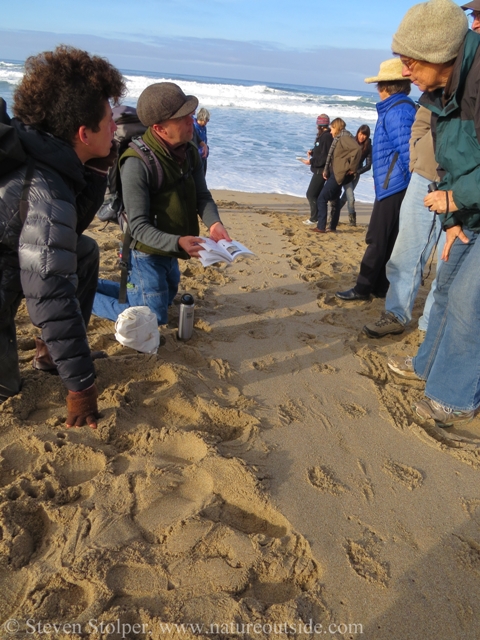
<point>432,31</point>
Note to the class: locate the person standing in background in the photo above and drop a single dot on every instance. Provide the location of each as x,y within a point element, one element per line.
<point>391,155</point>
<point>363,139</point>
<point>200,135</point>
<point>317,157</point>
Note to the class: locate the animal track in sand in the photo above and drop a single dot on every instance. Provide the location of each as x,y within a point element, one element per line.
<point>468,553</point>
<point>77,465</point>
<point>136,580</point>
<point>24,526</point>
<point>16,458</point>
<point>324,479</point>
<point>323,367</point>
<point>364,560</point>
<point>291,411</point>
<point>408,476</point>
<point>353,409</point>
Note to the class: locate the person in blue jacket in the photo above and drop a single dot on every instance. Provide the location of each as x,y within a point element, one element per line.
<point>396,113</point>
<point>200,135</point>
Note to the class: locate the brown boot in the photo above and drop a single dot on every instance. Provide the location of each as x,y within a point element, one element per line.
<point>42,359</point>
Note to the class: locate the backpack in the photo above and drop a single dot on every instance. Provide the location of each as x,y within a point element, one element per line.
<point>128,134</point>
<point>12,156</point>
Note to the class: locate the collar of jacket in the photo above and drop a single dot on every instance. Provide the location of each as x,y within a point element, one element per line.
<point>385,105</point>
<point>444,101</point>
<point>52,152</point>
<point>178,155</point>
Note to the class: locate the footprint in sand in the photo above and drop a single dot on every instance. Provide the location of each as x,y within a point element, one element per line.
<point>16,458</point>
<point>407,476</point>
<point>324,479</point>
<point>77,465</point>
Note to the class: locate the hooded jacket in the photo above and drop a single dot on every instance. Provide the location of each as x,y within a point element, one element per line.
<point>391,172</point>
<point>456,134</point>
<point>39,257</point>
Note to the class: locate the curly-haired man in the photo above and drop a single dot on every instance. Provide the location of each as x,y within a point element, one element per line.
<point>54,156</point>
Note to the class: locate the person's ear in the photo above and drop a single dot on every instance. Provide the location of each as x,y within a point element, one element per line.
<point>82,135</point>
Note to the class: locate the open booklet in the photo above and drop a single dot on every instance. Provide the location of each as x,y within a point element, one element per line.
<point>223,250</point>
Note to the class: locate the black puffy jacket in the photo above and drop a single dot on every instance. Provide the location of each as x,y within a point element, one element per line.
<point>40,256</point>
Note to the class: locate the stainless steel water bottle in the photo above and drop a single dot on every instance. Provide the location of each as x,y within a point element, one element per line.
<point>185,319</point>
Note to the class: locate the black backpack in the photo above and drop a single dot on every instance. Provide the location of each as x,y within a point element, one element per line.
<point>12,156</point>
<point>128,134</point>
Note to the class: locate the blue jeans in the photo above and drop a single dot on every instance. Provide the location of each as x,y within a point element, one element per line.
<point>330,193</point>
<point>415,242</point>
<point>449,357</point>
<point>152,282</point>
<point>348,196</point>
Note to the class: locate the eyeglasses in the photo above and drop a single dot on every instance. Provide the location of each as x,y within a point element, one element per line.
<point>409,63</point>
<point>475,15</point>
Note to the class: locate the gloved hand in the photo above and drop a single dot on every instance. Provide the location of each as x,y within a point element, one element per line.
<point>82,408</point>
<point>104,164</point>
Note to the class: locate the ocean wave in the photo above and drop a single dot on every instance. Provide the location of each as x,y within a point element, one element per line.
<point>263,98</point>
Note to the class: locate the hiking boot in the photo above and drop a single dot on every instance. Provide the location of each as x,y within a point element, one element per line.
<point>352,219</point>
<point>388,323</point>
<point>402,366</point>
<point>444,416</point>
<point>308,221</point>
<point>42,359</point>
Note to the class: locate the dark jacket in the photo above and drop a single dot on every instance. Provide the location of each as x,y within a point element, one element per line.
<point>365,163</point>
<point>391,152</point>
<point>456,134</point>
<point>320,151</point>
<point>157,221</point>
<point>40,256</point>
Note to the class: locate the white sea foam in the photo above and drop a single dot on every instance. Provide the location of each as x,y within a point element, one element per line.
<point>256,130</point>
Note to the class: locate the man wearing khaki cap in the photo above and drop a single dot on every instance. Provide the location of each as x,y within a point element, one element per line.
<point>163,222</point>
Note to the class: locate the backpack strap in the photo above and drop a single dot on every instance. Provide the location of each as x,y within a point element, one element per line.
<point>156,173</point>
<point>150,159</point>
<point>396,154</point>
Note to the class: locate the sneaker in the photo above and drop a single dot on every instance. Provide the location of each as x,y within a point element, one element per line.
<point>308,221</point>
<point>402,366</point>
<point>444,416</point>
<point>388,323</point>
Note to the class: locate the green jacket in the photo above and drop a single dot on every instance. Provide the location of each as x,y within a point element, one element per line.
<point>157,220</point>
<point>456,133</point>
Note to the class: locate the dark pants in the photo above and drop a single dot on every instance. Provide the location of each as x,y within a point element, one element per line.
<point>87,272</point>
<point>330,193</point>
<point>314,188</point>
<point>381,235</point>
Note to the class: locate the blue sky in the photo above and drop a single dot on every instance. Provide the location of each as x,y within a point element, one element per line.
<point>320,43</point>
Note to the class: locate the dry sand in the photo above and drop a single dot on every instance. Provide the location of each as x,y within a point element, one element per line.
<point>268,472</point>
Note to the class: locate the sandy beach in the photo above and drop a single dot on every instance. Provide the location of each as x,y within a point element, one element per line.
<point>267,478</point>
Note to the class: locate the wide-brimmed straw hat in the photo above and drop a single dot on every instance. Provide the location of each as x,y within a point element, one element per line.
<point>390,71</point>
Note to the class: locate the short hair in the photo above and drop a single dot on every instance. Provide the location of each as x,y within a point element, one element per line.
<point>338,124</point>
<point>65,89</point>
<point>203,115</point>
<point>395,86</point>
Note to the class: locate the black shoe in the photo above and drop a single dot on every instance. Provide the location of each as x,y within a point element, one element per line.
<point>351,294</point>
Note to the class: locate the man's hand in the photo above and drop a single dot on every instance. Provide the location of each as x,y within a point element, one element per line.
<point>104,164</point>
<point>203,150</point>
<point>437,201</point>
<point>82,408</point>
<point>218,232</point>
<point>191,244</point>
<point>452,234</point>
